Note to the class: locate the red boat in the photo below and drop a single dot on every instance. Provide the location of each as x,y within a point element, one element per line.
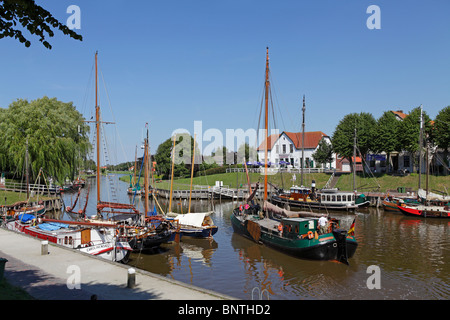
<point>425,211</point>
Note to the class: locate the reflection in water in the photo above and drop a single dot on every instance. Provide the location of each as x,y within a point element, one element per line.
<point>412,255</point>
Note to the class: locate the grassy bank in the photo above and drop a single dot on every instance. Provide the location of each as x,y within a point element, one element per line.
<point>388,182</point>
<point>234,180</point>
<point>9,292</point>
<point>11,197</point>
<point>345,181</point>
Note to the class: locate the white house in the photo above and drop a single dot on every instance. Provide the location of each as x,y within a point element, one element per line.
<point>286,148</point>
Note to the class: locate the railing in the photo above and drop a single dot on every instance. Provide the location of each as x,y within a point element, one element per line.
<point>35,188</point>
<point>273,170</point>
<point>327,185</point>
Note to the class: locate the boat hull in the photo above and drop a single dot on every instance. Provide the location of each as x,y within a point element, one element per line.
<point>38,210</point>
<point>390,206</point>
<point>151,242</point>
<point>206,232</point>
<point>324,247</point>
<point>316,205</point>
<point>111,250</point>
<point>426,212</point>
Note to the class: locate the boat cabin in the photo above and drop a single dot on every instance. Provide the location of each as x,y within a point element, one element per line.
<point>337,197</point>
<point>297,193</point>
<point>294,227</point>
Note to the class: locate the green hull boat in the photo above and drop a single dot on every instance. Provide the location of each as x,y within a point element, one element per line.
<point>296,236</point>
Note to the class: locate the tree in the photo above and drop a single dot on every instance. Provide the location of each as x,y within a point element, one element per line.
<point>34,18</point>
<point>246,153</point>
<point>183,156</point>
<point>324,153</point>
<point>386,137</point>
<point>343,136</point>
<point>56,135</point>
<point>442,131</point>
<point>409,131</point>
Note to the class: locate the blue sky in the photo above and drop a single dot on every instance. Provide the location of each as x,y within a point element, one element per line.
<point>172,62</point>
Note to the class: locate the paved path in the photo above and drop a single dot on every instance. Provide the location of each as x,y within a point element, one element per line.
<point>45,277</point>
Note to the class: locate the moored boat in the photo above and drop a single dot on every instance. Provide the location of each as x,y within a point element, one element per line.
<point>391,203</point>
<point>426,211</point>
<point>297,236</point>
<point>130,224</point>
<point>36,210</point>
<point>304,235</point>
<point>329,199</point>
<point>196,224</point>
<point>95,239</point>
<point>191,224</point>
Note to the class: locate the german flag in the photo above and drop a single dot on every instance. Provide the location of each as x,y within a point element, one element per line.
<point>351,231</point>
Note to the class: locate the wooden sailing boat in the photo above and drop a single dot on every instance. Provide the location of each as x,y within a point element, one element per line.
<point>153,230</point>
<point>192,224</point>
<point>145,233</point>
<point>291,232</point>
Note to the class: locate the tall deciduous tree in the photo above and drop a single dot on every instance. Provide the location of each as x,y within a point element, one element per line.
<point>409,131</point>
<point>442,132</point>
<point>343,137</point>
<point>56,135</point>
<point>33,18</point>
<point>386,137</point>
<point>184,144</point>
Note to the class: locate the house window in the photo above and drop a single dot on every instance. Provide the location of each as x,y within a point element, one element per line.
<point>292,148</point>
<point>284,148</point>
<point>406,161</point>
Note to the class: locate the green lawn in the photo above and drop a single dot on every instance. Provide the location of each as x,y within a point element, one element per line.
<point>240,179</point>
<point>388,182</point>
<point>10,197</point>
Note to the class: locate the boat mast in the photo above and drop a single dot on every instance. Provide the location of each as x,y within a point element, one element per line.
<point>420,146</point>
<point>303,140</point>
<point>97,127</point>
<point>146,175</point>
<point>192,175</point>
<point>133,185</point>
<point>171,180</point>
<point>26,172</point>
<point>267,84</point>
<point>354,162</point>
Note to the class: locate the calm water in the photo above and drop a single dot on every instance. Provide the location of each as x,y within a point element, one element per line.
<point>412,256</point>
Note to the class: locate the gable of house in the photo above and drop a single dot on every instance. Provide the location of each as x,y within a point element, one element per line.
<point>399,114</point>
<point>312,139</point>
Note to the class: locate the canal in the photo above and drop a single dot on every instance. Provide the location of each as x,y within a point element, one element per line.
<point>398,257</point>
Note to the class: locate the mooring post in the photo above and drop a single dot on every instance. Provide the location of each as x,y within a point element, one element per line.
<point>44,247</point>
<point>131,281</point>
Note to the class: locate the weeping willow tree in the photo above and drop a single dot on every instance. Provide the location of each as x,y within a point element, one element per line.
<point>56,134</point>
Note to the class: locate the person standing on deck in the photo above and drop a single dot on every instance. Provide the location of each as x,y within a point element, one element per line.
<point>323,224</point>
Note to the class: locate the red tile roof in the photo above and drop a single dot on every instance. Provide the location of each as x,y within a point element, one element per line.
<point>272,138</point>
<point>312,139</point>
<point>400,114</point>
